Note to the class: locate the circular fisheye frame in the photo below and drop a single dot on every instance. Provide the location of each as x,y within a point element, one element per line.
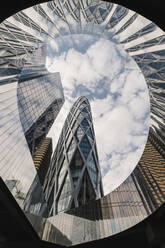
<point>82,118</point>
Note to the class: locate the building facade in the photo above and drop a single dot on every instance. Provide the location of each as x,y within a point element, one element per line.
<point>76,176</point>
<point>20,36</point>
<point>42,158</point>
<point>136,198</point>
<point>150,172</point>
<point>31,98</point>
<point>40,98</point>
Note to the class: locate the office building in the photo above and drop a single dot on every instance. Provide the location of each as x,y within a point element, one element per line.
<point>31,98</point>
<point>136,198</point>
<point>20,36</point>
<point>75,172</point>
<point>42,158</point>
<point>40,98</point>
<point>150,172</point>
<point>35,198</point>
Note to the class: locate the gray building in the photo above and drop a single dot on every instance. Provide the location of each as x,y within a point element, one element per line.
<point>40,98</point>
<point>31,98</point>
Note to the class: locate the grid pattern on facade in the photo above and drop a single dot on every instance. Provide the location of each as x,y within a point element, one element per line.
<point>38,131</point>
<point>114,205</point>
<point>85,17</point>
<point>18,97</point>
<point>131,202</point>
<point>39,101</point>
<point>151,172</point>
<point>19,38</point>
<point>77,175</point>
<point>42,158</point>
<point>100,218</point>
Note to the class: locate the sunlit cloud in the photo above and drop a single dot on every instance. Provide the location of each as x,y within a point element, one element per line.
<point>113,83</point>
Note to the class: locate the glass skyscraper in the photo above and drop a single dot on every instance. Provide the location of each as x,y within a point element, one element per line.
<point>22,36</point>
<point>31,98</point>
<point>40,98</point>
<point>74,173</point>
<point>140,195</point>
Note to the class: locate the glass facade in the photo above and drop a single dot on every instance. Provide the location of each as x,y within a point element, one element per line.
<point>77,176</point>
<point>113,213</point>
<point>20,37</point>
<point>31,98</point>
<point>40,98</point>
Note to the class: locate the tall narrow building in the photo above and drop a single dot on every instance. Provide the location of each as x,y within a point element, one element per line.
<point>76,177</point>
<point>31,98</point>
<point>40,98</point>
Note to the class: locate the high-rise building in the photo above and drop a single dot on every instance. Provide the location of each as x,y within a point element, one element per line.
<point>150,172</point>
<point>35,198</point>
<point>42,158</point>
<point>20,36</point>
<point>76,172</point>
<point>119,210</point>
<point>31,100</point>
<point>137,197</point>
<point>40,98</point>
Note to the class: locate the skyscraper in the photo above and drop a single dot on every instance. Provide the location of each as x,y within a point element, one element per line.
<point>137,197</point>
<point>31,99</point>
<point>76,172</point>
<point>42,158</point>
<point>20,36</point>
<point>150,172</point>
<point>40,98</point>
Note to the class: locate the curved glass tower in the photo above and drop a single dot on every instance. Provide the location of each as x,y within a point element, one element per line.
<point>28,107</point>
<point>77,175</point>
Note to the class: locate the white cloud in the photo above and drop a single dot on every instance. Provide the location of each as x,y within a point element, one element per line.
<point>118,96</point>
<point>136,106</point>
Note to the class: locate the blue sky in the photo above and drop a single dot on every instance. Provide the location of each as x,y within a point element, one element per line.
<point>102,71</point>
<point>93,66</point>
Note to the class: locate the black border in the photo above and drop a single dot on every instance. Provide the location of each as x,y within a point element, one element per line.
<point>151,9</point>
<point>150,232</point>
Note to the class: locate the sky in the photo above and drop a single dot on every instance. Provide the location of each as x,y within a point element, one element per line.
<point>102,71</point>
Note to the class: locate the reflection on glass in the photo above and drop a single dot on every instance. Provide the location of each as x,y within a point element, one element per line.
<point>101,51</point>
<point>81,177</point>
